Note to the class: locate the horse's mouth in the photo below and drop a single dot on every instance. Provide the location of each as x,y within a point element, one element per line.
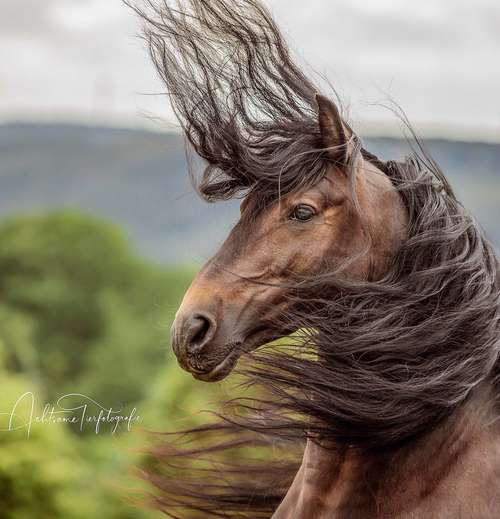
<point>221,371</point>
<point>235,351</point>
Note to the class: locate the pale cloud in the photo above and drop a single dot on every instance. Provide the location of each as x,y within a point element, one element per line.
<point>437,58</point>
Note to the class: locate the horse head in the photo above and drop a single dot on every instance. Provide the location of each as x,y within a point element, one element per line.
<point>349,220</point>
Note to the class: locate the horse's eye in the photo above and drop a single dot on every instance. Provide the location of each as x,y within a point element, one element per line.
<point>302,213</point>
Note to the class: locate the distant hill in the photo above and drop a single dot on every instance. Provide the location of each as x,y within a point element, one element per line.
<point>138,179</point>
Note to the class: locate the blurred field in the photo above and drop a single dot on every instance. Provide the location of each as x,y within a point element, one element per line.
<point>100,235</point>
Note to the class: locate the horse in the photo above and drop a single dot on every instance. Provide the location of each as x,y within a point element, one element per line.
<point>357,297</point>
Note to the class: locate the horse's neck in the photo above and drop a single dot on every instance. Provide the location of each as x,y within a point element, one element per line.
<point>453,472</point>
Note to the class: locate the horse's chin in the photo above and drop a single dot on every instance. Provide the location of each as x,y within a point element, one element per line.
<point>235,351</point>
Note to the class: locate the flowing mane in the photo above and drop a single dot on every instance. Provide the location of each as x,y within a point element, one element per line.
<point>383,362</point>
<point>243,104</point>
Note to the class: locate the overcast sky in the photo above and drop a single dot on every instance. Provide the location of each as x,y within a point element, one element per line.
<point>439,59</point>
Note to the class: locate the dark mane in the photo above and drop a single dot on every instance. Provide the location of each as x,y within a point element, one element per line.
<point>243,104</point>
<point>389,359</point>
<point>378,365</point>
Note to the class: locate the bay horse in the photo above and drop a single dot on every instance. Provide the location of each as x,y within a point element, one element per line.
<point>381,288</point>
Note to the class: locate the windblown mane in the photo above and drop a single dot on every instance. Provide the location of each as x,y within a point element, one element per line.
<point>243,104</point>
<point>376,366</point>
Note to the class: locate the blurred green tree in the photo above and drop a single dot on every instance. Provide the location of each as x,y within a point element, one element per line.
<point>88,310</point>
<point>80,312</point>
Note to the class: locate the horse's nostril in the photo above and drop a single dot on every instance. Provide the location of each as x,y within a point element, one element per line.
<point>198,329</point>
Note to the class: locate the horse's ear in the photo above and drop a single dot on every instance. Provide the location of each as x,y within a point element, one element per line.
<point>335,134</point>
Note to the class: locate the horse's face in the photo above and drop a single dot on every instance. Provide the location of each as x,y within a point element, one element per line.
<point>232,305</point>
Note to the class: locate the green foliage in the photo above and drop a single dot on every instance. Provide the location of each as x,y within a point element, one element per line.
<point>92,307</point>
<point>80,312</point>
<point>41,476</point>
